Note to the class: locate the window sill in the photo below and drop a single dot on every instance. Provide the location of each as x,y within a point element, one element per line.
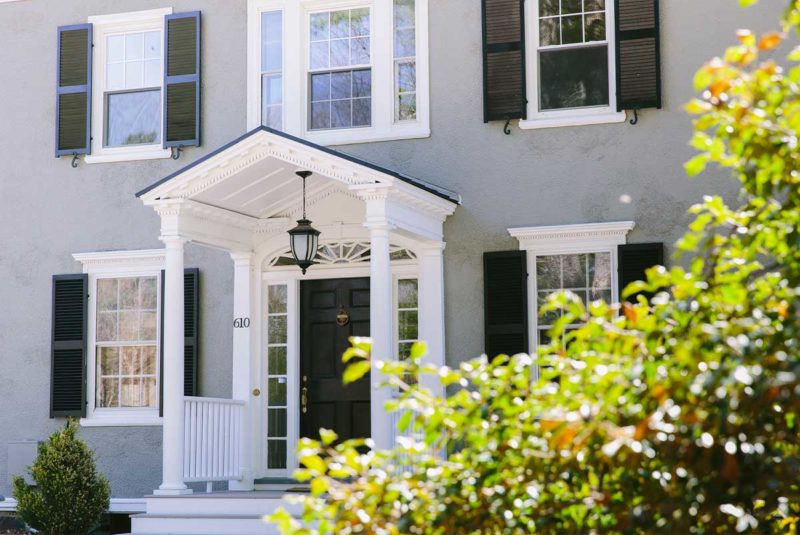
<point>120,420</point>
<point>129,156</point>
<point>573,120</point>
<point>348,136</point>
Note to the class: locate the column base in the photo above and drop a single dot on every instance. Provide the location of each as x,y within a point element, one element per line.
<point>168,490</point>
<point>242,485</point>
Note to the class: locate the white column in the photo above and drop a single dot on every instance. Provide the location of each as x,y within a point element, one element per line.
<point>242,376</point>
<point>381,328</point>
<point>173,340</point>
<point>431,308</point>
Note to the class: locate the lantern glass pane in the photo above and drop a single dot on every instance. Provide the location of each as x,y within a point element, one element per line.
<point>300,246</point>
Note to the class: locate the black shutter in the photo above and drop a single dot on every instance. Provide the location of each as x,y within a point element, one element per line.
<point>633,260</point>
<point>191,293</point>
<point>638,55</point>
<point>505,276</point>
<point>182,80</point>
<point>504,60</point>
<point>74,90</point>
<point>68,350</point>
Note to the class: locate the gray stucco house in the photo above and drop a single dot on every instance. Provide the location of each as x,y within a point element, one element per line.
<point>149,286</point>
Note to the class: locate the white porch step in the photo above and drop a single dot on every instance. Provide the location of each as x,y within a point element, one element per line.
<point>218,513</point>
<point>197,524</point>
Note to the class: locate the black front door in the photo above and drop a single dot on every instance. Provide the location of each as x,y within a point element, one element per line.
<point>331,312</point>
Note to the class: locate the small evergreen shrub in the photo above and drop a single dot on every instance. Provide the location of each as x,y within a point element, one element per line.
<point>69,497</point>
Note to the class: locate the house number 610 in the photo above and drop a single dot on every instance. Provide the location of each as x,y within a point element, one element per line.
<point>241,323</point>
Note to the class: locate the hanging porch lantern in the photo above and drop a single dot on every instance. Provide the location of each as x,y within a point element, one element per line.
<point>304,238</point>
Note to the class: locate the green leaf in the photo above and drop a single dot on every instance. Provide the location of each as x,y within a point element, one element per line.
<point>328,437</point>
<point>356,371</point>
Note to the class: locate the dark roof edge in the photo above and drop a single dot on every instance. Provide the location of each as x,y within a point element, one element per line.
<point>426,186</point>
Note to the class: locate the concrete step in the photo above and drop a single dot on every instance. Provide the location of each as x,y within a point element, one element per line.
<point>201,524</point>
<point>246,503</point>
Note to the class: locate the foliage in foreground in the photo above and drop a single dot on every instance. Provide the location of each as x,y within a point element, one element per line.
<point>676,414</point>
<point>69,497</point>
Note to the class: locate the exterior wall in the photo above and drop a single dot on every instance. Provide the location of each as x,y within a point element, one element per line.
<point>537,177</point>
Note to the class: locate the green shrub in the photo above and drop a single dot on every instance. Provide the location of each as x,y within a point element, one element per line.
<point>69,496</point>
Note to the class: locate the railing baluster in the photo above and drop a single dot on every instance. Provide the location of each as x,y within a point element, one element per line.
<point>212,449</point>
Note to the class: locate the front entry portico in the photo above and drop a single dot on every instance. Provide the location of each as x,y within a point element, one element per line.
<point>380,228</point>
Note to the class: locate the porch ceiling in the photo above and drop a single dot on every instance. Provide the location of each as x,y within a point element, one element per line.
<point>254,176</point>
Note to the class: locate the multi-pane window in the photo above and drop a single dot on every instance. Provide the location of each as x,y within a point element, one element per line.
<point>340,76</point>
<point>405,60</point>
<point>272,69</point>
<point>126,342</point>
<point>573,54</point>
<point>587,275</point>
<point>277,378</point>
<point>133,82</point>
<point>407,315</point>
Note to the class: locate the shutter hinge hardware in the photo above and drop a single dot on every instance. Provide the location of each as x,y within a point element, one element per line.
<point>635,119</point>
<point>74,162</point>
<point>176,152</point>
<point>506,128</point>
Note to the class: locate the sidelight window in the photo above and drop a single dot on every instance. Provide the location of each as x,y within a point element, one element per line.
<point>277,376</point>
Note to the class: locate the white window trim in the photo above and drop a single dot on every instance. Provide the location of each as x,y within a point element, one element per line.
<point>574,116</point>
<point>295,72</point>
<point>145,263</point>
<point>583,238</point>
<point>291,277</point>
<point>102,26</point>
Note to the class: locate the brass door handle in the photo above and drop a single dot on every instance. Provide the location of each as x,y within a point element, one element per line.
<point>256,392</point>
<point>304,400</point>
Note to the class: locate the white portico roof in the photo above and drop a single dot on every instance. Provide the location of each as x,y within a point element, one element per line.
<point>255,176</point>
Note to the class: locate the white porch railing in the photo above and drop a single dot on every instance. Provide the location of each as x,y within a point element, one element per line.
<point>212,445</point>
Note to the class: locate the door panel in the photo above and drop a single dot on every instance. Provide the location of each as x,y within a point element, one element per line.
<point>331,404</point>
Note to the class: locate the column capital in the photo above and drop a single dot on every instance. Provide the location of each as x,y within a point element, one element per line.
<point>172,241</point>
<point>242,259</point>
<point>379,227</point>
<point>431,248</point>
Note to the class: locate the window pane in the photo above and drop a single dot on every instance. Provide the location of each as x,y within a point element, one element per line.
<point>340,53</point>
<point>106,326</point>
<point>600,270</point>
<point>277,299</point>
<point>548,272</point>
<point>570,6</point>
<point>276,423</point>
<point>133,118</point>
<point>574,271</point>
<point>571,30</point>
<point>277,361</point>
<point>147,325</point>
<point>404,14</point>
<point>407,107</point>
<point>115,48</point>
<point>574,78</point>
<point>148,293</point>
<point>321,115</point>
<point>595,25</point>
<point>106,294</point>
<point>548,7</point>
<point>150,392</point>
<point>550,31</point>
<point>130,394</point>
<point>115,77</point>
<point>405,43</point>
<point>359,51</point>
<point>320,29</point>
<point>359,22</point>
<point>152,45</point>
<point>134,74</point>
<point>134,46</point>
<point>149,360</point>
<point>277,330</point>
<point>594,5</point>
<point>320,55</point>
<point>128,293</point>
<point>107,361</point>
<point>128,325</point>
<point>341,85</point>
<point>362,112</point>
<point>340,24</point>
<point>341,113</point>
<point>271,41</point>
<point>276,454</point>
<point>131,361</point>
<point>362,83</point>
<point>277,391</point>
<point>408,321</point>
<point>107,394</point>
<point>320,87</point>
<point>152,73</point>
<point>550,317</point>
<point>407,293</point>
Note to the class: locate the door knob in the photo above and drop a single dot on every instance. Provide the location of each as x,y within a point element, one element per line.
<point>256,392</point>
<point>304,399</point>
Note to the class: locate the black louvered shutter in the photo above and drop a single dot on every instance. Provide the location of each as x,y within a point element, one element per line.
<point>633,260</point>
<point>504,60</point>
<point>68,350</point>
<point>191,323</point>
<point>74,90</point>
<point>638,55</point>
<point>182,80</point>
<point>505,276</point>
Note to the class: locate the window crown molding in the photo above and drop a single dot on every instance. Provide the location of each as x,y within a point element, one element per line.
<point>121,261</point>
<point>130,17</point>
<point>572,237</point>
